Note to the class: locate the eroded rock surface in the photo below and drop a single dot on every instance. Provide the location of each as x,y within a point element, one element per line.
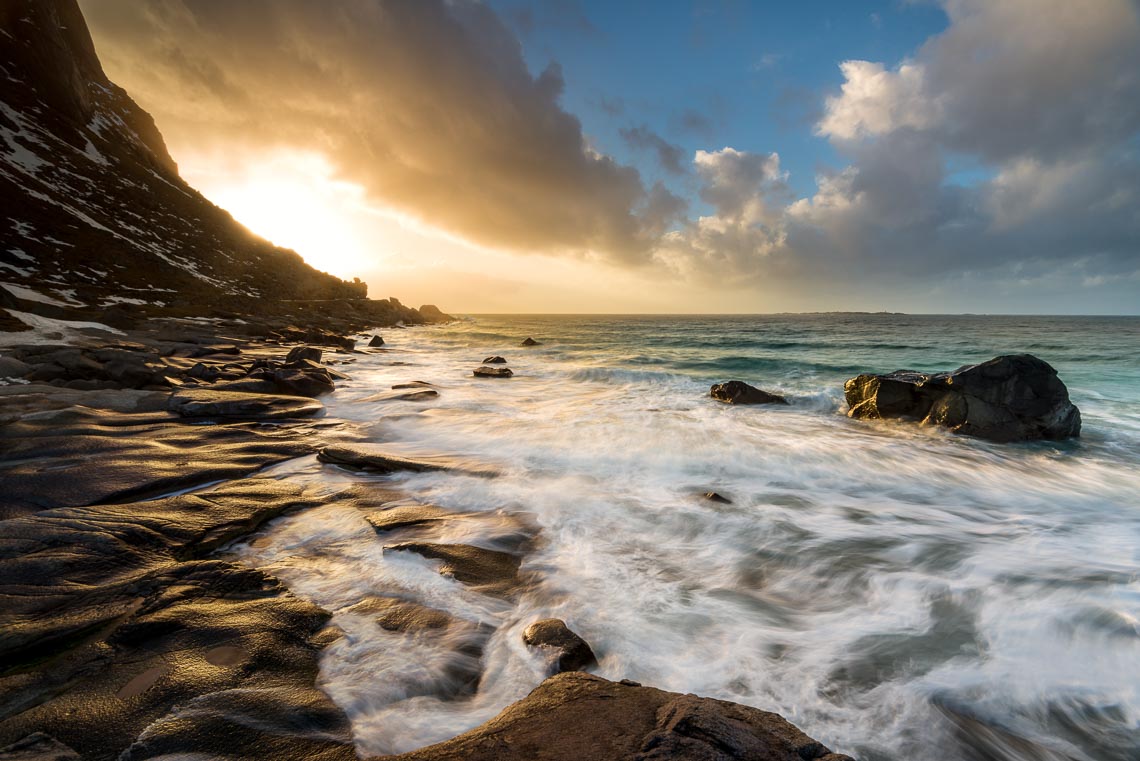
<point>379,458</point>
<point>574,716</point>
<point>1009,398</point>
<point>119,633</point>
<point>83,456</point>
<point>209,403</point>
<point>489,571</point>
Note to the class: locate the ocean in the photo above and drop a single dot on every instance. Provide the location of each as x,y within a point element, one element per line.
<point>898,592</point>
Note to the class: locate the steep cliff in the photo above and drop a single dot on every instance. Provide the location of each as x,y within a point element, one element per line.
<point>93,213</point>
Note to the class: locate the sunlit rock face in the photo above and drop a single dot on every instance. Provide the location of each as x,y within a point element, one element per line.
<point>92,200</point>
<point>1009,398</point>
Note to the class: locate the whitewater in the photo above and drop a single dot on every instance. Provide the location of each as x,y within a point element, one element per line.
<point>898,592</point>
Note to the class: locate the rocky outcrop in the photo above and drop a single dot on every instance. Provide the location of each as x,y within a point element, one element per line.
<point>739,392</point>
<point>1009,398</point>
<point>99,221</point>
<point>568,651</point>
<point>115,621</point>
<point>574,716</point>
<point>492,372</point>
<point>82,456</point>
<point>432,313</point>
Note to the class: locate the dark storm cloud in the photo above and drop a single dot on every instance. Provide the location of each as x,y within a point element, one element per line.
<point>427,104</point>
<point>670,156</point>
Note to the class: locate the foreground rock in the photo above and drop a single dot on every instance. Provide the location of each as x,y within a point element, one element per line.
<point>83,456</point>
<point>492,372</point>
<point>574,716</point>
<point>739,392</point>
<point>114,622</point>
<point>569,651</point>
<point>1009,398</point>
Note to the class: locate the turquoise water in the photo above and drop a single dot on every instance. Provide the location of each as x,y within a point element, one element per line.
<point>898,592</point>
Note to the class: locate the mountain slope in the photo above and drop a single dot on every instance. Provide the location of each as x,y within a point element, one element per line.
<point>92,208</point>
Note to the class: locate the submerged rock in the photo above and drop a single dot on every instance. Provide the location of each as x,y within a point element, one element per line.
<point>495,360</point>
<point>492,372</point>
<point>1009,398</point>
<point>739,392</point>
<point>572,653</point>
<point>408,516</point>
<point>489,571</point>
<point>531,342</point>
<point>712,496</point>
<point>377,460</point>
<point>573,716</point>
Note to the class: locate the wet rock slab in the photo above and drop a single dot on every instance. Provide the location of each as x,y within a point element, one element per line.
<point>489,571</point>
<point>82,456</point>
<point>574,716</point>
<point>409,516</point>
<point>378,458</point>
<point>120,637</point>
<point>739,392</point>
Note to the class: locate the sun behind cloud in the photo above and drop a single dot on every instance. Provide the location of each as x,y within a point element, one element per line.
<point>293,199</point>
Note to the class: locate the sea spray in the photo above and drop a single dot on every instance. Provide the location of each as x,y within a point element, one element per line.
<point>897,591</point>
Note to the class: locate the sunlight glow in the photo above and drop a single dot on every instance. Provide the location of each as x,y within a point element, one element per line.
<point>294,200</point>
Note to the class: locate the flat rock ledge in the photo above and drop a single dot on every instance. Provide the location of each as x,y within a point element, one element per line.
<point>574,716</point>
<point>207,403</point>
<point>376,460</point>
<point>1009,398</point>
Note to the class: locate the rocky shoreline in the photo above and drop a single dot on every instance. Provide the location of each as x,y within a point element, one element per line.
<point>128,464</point>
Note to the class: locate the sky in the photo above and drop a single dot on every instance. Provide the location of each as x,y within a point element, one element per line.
<point>664,157</point>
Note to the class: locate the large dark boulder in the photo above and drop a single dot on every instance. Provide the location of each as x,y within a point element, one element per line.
<point>739,392</point>
<point>298,353</point>
<point>569,651</point>
<point>574,715</point>
<point>1014,397</point>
